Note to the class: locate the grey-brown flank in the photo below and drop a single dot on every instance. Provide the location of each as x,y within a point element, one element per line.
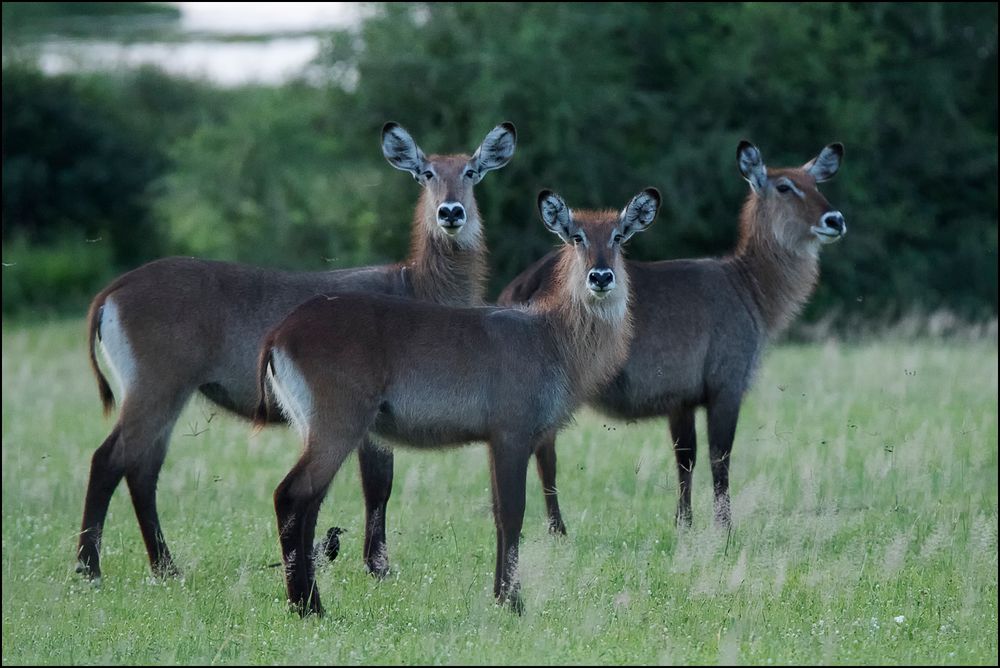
<point>701,326</point>
<point>346,367</point>
<point>182,325</point>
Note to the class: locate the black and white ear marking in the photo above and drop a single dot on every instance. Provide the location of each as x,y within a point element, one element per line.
<point>556,215</point>
<point>495,151</point>
<point>751,165</point>
<point>640,212</point>
<point>401,151</point>
<point>826,164</point>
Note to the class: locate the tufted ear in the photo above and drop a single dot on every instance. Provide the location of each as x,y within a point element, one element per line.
<point>401,151</point>
<point>556,215</point>
<point>640,213</point>
<point>751,165</point>
<point>496,151</point>
<point>825,165</point>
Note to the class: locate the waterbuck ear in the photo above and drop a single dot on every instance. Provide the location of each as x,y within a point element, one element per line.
<point>826,164</point>
<point>402,152</point>
<point>751,165</point>
<point>495,151</point>
<point>556,215</point>
<point>640,212</point>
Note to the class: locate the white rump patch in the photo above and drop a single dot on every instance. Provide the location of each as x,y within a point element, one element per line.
<point>115,347</point>
<point>291,391</point>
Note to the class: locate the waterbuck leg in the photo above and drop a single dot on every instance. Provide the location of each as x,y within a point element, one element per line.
<point>545,460</point>
<point>142,477</point>
<point>723,414</point>
<point>296,504</point>
<point>147,419</point>
<point>682,432</point>
<point>509,462</point>
<point>106,472</point>
<point>376,482</point>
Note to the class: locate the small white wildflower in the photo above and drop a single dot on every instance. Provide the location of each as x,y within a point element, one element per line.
<point>900,619</point>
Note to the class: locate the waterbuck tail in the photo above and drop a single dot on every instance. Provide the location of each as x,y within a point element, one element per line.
<point>93,326</point>
<point>261,415</point>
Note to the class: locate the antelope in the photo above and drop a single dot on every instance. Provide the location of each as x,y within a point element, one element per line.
<point>180,325</point>
<point>350,368</point>
<point>701,326</point>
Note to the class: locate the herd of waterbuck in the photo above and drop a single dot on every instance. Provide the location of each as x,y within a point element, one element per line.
<point>360,359</point>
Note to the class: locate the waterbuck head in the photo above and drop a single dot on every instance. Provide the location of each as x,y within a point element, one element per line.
<point>597,271</point>
<point>448,180</point>
<point>799,216</point>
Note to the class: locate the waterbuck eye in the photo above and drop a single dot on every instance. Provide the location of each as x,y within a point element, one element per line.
<point>428,175</point>
<point>577,239</point>
<point>783,187</point>
<point>618,239</point>
<point>470,174</point>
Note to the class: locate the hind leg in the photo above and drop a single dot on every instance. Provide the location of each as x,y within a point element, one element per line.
<point>135,450</point>
<point>142,478</point>
<point>296,504</point>
<point>106,471</point>
<point>147,421</point>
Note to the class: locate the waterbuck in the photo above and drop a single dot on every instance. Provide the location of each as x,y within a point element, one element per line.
<point>701,325</point>
<point>180,325</point>
<point>347,368</point>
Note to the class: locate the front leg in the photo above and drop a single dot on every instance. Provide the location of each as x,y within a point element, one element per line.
<point>545,459</point>
<point>376,465</point>
<point>723,413</point>
<point>509,462</point>
<point>682,431</point>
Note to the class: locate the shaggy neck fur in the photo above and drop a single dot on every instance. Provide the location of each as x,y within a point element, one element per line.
<point>443,269</point>
<point>779,272</point>
<point>593,335</point>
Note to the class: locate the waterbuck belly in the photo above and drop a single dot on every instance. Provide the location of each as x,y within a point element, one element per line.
<point>408,430</point>
<point>428,415</point>
<point>650,394</point>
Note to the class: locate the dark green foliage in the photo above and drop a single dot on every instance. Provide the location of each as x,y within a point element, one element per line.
<point>27,20</point>
<point>80,154</point>
<point>606,99</point>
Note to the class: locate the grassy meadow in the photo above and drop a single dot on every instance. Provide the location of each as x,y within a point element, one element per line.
<point>864,486</point>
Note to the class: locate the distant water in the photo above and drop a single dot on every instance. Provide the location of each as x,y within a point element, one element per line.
<point>227,43</point>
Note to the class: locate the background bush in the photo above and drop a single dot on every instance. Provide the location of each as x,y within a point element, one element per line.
<point>606,98</point>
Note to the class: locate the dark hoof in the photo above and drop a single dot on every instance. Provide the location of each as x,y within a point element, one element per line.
<point>166,569</point>
<point>379,570</point>
<point>682,520</point>
<point>308,611</point>
<point>378,563</point>
<point>514,602</point>
<point>90,572</point>
<point>306,608</point>
<point>556,526</point>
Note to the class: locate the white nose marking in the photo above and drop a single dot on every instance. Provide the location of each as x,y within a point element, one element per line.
<point>451,212</point>
<point>834,220</point>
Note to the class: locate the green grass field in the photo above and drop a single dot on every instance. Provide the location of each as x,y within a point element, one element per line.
<point>865,531</point>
